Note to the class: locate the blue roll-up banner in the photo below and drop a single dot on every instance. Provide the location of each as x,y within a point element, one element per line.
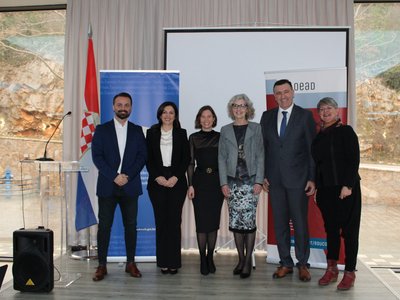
<point>148,89</point>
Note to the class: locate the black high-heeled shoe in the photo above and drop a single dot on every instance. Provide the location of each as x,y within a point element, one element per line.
<point>246,274</point>
<point>164,271</point>
<point>210,263</point>
<point>173,271</point>
<point>203,265</point>
<point>237,270</point>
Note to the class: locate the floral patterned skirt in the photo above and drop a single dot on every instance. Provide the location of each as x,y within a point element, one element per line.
<point>242,205</point>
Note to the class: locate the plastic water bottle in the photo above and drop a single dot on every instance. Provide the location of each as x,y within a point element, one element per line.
<point>7,181</point>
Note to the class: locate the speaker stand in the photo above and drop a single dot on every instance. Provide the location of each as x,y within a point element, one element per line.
<point>66,280</point>
<point>86,254</point>
<point>66,276</point>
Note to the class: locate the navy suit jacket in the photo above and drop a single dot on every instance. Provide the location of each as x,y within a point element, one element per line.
<point>105,154</point>
<point>288,161</point>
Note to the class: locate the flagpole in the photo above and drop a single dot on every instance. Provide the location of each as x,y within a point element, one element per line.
<point>88,252</point>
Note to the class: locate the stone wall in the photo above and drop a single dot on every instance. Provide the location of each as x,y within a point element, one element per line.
<point>380,184</point>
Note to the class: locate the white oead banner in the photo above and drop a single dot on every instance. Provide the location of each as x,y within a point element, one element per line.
<point>310,86</point>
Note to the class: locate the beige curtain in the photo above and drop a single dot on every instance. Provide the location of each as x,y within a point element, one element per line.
<point>128,35</point>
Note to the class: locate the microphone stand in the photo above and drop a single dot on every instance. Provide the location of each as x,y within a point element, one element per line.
<point>45,158</point>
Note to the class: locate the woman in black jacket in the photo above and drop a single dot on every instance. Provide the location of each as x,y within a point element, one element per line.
<point>168,159</point>
<point>337,157</point>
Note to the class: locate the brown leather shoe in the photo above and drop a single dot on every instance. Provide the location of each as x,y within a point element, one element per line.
<point>133,270</point>
<point>304,274</point>
<point>282,271</point>
<point>101,271</point>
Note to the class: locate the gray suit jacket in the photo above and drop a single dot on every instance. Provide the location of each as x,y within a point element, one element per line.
<point>228,152</point>
<point>288,161</point>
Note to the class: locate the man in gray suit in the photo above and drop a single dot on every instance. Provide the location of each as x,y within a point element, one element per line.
<point>288,132</point>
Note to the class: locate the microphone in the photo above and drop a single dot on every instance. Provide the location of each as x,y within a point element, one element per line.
<point>45,158</point>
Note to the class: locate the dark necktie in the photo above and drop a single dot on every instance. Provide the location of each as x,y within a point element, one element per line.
<point>283,125</point>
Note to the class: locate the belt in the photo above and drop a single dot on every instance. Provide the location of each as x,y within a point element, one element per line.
<point>208,170</point>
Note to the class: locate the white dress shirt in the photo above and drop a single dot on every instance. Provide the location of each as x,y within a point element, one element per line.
<point>166,147</point>
<point>280,116</point>
<point>122,133</point>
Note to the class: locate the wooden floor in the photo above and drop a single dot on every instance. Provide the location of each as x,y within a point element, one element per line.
<point>190,284</point>
<point>377,276</point>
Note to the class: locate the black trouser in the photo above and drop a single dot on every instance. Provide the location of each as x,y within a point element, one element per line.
<point>129,208</point>
<point>341,218</point>
<point>167,205</point>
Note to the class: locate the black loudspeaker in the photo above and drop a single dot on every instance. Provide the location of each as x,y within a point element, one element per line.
<point>33,268</point>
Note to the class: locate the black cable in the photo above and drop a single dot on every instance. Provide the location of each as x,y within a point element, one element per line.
<point>59,274</point>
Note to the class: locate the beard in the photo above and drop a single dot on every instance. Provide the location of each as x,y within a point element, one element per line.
<point>122,114</point>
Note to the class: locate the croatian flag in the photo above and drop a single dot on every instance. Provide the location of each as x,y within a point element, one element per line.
<point>86,200</point>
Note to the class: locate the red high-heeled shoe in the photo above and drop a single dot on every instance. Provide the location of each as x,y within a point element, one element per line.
<point>347,281</point>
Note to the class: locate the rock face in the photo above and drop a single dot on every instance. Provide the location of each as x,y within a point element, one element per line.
<point>30,109</point>
<point>378,122</point>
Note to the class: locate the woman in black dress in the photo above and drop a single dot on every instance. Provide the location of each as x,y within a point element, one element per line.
<point>204,188</point>
<point>337,157</point>
<point>241,169</point>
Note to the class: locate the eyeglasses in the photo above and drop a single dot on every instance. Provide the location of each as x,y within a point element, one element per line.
<point>239,106</point>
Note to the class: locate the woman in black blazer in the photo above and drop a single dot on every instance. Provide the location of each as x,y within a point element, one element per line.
<point>168,159</point>
<point>337,157</point>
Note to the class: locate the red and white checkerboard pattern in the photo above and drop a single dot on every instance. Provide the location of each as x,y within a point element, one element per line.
<point>88,127</point>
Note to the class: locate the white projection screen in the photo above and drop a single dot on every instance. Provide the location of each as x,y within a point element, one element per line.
<point>217,63</point>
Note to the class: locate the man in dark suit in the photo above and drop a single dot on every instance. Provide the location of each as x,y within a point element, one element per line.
<point>119,153</point>
<point>288,132</point>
